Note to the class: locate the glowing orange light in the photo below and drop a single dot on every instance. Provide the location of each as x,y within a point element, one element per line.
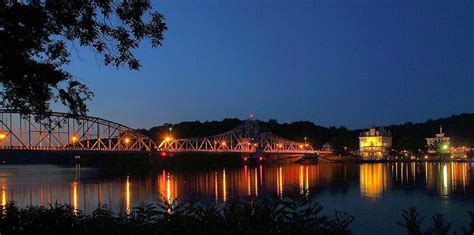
<point>260,158</point>
<point>2,136</point>
<point>74,138</point>
<point>224,143</point>
<point>75,195</point>
<point>373,180</point>
<point>127,140</point>
<point>127,196</point>
<point>224,187</point>
<point>301,146</point>
<point>167,139</point>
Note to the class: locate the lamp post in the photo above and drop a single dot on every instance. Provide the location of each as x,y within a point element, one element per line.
<point>3,136</point>
<point>127,141</point>
<point>74,140</point>
<point>305,138</point>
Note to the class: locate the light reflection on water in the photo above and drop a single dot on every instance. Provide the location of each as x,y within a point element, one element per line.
<point>373,180</point>
<point>362,184</point>
<point>50,183</point>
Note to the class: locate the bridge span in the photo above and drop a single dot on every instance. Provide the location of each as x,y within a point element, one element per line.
<point>65,132</point>
<point>249,137</point>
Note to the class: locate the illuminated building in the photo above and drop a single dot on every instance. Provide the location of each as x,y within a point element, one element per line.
<point>374,144</point>
<point>439,142</point>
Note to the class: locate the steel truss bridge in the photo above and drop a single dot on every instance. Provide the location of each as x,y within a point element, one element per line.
<point>64,132</point>
<point>249,137</point>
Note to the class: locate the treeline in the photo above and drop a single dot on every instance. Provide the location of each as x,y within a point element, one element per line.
<point>409,136</point>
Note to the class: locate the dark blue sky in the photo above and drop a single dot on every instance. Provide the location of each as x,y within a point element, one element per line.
<point>350,63</point>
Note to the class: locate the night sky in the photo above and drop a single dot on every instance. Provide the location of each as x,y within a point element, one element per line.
<point>349,63</point>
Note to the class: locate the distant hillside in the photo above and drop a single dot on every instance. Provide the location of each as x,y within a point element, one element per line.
<point>405,136</point>
<point>411,135</point>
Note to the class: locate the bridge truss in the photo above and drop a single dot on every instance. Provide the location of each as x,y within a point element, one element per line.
<point>62,132</point>
<point>249,137</point>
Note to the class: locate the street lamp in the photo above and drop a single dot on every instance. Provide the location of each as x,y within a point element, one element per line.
<point>127,141</point>
<point>74,140</point>
<point>305,138</point>
<point>3,136</point>
<point>170,129</point>
<point>167,139</point>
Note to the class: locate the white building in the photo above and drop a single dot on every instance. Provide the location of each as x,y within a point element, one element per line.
<point>374,144</point>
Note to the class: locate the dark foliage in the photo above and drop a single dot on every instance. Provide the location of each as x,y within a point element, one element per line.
<point>250,216</point>
<point>412,222</point>
<point>36,37</point>
<point>412,136</point>
<point>440,226</point>
<point>291,215</point>
<point>471,224</point>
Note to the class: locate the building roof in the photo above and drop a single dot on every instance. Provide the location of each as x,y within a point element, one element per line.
<point>374,132</point>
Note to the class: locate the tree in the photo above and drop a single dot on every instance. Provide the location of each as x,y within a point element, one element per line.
<point>411,221</point>
<point>34,37</point>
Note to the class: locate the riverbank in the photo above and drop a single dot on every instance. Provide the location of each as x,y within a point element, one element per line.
<point>356,159</point>
<point>125,162</point>
<point>182,160</point>
<point>142,163</point>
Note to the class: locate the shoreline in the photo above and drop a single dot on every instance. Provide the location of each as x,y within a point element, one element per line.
<point>181,160</point>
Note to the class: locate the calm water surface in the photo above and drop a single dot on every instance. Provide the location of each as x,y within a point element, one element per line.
<point>375,193</point>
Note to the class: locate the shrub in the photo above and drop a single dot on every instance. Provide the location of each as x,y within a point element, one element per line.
<point>250,215</point>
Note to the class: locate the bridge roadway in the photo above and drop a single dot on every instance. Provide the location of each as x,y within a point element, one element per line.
<point>64,132</point>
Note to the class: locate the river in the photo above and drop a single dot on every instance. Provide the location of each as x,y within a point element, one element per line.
<point>375,193</point>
